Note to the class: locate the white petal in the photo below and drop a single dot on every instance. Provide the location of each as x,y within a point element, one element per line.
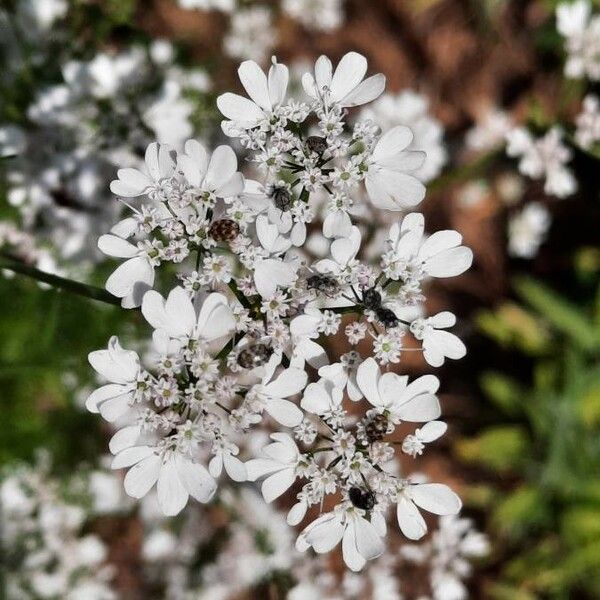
<point>239,109</point>
<point>112,390</point>
<point>112,245</point>
<point>436,498</point>
<point>324,533</point>
<point>442,320</point>
<point>284,412</point>
<point>142,476</point>
<point>323,72</point>
<point>124,438</point>
<point>316,400</point>
<point>348,74</point>
<point>278,82</point>
<point>425,407</point>
<point>270,273</point>
<point>288,383</point>
<point>350,553</point>
<point>172,495</point>
<point>199,157</point>
<point>431,431</point>
<point>215,318</point>
<point>367,379</point>
<point>196,479</point>
<point>297,513</point>
<point>368,542</point>
<point>222,166</point>
<point>367,91</point>
<point>343,250</point>
<point>255,83</point>
<point>259,467</point>
<point>410,520</point>
<point>115,364</point>
<point>392,142</point>
<point>131,456</point>
<point>391,190</point>
<point>277,484</point>
<point>131,183</point>
<point>235,468</point>
<point>135,275</point>
<point>450,263</point>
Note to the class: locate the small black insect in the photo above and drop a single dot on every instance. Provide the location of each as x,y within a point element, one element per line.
<point>361,498</point>
<point>387,317</point>
<point>254,356</point>
<point>316,144</point>
<point>371,299</point>
<point>282,197</point>
<point>322,283</point>
<point>377,427</point>
<point>224,230</point>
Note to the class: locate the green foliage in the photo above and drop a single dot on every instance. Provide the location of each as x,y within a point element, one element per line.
<point>46,336</point>
<point>545,443</point>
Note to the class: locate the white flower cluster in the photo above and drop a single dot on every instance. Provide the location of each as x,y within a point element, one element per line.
<point>448,555</point>
<point>47,553</point>
<point>588,123</point>
<point>581,31</point>
<point>234,343</point>
<point>259,548</point>
<point>543,158</point>
<point>80,119</point>
<point>252,33</point>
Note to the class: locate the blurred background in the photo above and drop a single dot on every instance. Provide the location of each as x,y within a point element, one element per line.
<point>86,85</point>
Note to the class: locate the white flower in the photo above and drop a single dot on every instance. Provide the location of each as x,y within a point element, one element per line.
<point>412,110</point>
<point>266,95</point>
<point>391,182</point>
<point>344,87</point>
<point>391,393</point>
<point>134,277</point>
<point>282,457</point>
<point>121,368</point>
<point>545,157</point>
<point>440,255</point>
<point>527,230</point>
<point>160,166</point>
<point>322,398</point>
<point>588,122</point>
<point>271,273</point>
<point>343,374</point>
<point>176,315</point>
<point>252,33</point>
<point>318,15</point>
<point>273,391</point>
<point>414,444</point>
<point>169,114</point>
<point>343,253</point>
<point>489,131</point>
<point>226,456</point>
<point>582,32</point>
<point>361,540</point>
<point>215,175</point>
<point>438,344</point>
<point>177,476</point>
<point>435,498</point>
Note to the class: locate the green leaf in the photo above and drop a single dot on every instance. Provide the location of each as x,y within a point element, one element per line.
<point>504,591</point>
<point>520,511</point>
<point>512,326</point>
<point>566,317</point>
<point>501,448</point>
<point>504,392</point>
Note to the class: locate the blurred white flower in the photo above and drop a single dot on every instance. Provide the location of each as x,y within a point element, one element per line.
<point>543,158</point>
<point>411,109</point>
<point>527,230</point>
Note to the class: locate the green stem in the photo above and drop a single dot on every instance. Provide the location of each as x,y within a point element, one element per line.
<point>61,283</point>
